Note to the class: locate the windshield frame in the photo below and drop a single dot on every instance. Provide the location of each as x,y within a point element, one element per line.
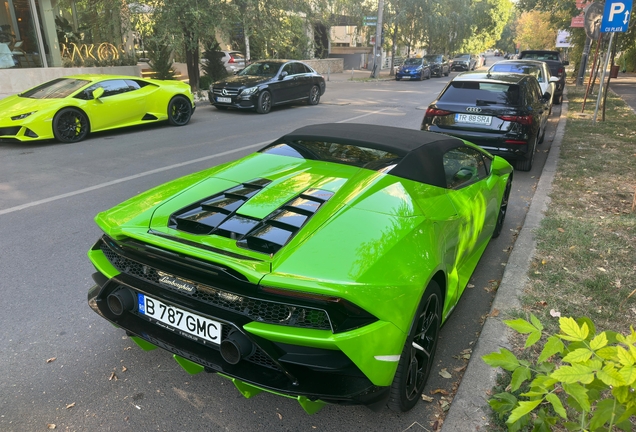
<point>58,88</point>
<point>251,69</point>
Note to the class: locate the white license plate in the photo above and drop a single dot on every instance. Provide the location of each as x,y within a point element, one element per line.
<point>472,118</point>
<point>224,100</point>
<point>174,317</point>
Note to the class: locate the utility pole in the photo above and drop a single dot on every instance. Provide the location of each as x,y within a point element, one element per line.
<point>377,48</point>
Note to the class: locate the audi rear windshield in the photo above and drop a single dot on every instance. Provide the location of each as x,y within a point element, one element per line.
<point>481,93</point>
<point>56,89</point>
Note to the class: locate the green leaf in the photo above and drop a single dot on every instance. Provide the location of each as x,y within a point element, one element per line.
<point>610,376</point>
<point>627,414</point>
<point>556,404</point>
<point>520,325</point>
<point>572,330</point>
<point>544,422</point>
<point>519,376</point>
<point>598,342</point>
<point>602,414</point>
<point>553,346</point>
<point>579,394</point>
<point>536,322</point>
<point>575,373</point>
<point>578,356</point>
<point>624,356</point>
<point>523,409</point>
<point>621,393</point>
<point>590,325</point>
<point>535,392</point>
<point>503,402</point>
<point>608,353</point>
<point>629,375</point>
<point>503,359</point>
<point>534,337</point>
<point>544,381</point>
<point>594,364</point>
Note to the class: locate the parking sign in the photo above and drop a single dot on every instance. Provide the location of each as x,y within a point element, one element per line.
<point>616,16</point>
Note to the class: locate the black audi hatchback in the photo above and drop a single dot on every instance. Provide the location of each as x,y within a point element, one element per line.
<point>504,113</point>
<point>267,83</point>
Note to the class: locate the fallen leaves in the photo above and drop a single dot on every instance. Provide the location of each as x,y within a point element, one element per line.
<point>440,391</point>
<point>280,416</point>
<point>427,398</point>
<point>112,377</point>
<point>51,360</point>
<point>555,313</point>
<point>71,405</point>
<point>51,426</point>
<point>560,230</point>
<point>444,374</point>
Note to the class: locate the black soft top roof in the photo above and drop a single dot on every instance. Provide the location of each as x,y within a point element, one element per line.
<point>421,152</point>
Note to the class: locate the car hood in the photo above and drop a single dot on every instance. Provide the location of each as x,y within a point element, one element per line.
<point>332,215</point>
<point>241,81</point>
<point>16,105</point>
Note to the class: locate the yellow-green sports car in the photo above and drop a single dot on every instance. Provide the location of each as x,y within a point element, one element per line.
<point>68,108</point>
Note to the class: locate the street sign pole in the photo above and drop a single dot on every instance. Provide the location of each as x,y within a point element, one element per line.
<point>377,47</point>
<point>601,89</point>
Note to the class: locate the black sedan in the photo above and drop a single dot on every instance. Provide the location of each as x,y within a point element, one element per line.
<point>438,63</point>
<point>267,83</point>
<point>504,113</point>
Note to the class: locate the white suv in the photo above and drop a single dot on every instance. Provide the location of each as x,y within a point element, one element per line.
<point>233,61</point>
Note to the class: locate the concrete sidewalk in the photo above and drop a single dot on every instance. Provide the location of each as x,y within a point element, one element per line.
<point>357,74</point>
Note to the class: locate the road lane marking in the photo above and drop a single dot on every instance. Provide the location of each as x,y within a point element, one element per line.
<point>154,171</point>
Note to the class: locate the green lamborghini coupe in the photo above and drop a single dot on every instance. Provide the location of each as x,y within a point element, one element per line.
<point>68,109</point>
<point>319,268</point>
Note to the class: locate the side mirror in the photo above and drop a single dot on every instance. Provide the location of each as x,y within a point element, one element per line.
<point>565,63</point>
<point>98,92</point>
<point>500,166</point>
<point>554,79</point>
<point>283,74</point>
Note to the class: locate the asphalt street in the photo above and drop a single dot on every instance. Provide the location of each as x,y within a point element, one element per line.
<point>62,364</point>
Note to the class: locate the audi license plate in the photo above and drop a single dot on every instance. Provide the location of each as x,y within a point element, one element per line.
<point>179,319</point>
<point>472,118</point>
<point>224,100</point>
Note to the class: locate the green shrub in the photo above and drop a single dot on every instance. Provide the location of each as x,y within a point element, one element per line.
<point>160,61</point>
<point>582,381</point>
<point>212,64</point>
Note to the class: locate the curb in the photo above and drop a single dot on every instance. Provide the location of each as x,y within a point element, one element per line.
<point>470,410</point>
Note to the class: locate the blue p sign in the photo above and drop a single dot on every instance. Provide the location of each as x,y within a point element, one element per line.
<point>616,16</point>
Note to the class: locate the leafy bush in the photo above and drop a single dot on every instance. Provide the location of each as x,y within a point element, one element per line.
<point>587,381</point>
<point>160,61</point>
<point>212,64</point>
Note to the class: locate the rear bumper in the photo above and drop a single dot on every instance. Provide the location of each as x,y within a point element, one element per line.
<point>494,144</point>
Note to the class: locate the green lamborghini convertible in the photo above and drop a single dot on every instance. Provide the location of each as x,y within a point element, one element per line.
<point>68,109</point>
<point>319,268</point>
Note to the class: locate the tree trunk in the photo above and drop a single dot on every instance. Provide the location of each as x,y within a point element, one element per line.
<point>246,35</point>
<point>192,60</point>
<point>395,30</point>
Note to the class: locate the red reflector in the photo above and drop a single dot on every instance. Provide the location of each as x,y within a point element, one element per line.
<point>231,60</point>
<point>433,112</point>
<point>516,142</point>
<point>524,120</point>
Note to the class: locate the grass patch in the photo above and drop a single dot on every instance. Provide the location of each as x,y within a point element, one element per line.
<point>585,263</point>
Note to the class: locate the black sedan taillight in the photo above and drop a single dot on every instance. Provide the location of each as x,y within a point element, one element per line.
<point>435,112</point>
<point>524,120</point>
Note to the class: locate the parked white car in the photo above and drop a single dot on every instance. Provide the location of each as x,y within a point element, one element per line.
<point>536,68</point>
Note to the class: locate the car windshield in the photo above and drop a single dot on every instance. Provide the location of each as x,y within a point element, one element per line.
<point>349,154</point>
<point>433,58</point>
<point>462,56</point>
<point>541,56</point>
<point>481,93</point>
<point>267,69</point>
<point>412,62</point>
<point>518,68</point>
<point>56,89</point>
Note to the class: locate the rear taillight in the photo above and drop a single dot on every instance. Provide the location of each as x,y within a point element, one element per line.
<point>560,72</point>
<point>434,112</point>
<point>516,142</point>
<point>524,120</point>
<point>231,60</point>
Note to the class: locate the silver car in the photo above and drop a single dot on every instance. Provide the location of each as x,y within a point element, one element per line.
<point>536,68</point>
<point>233,61</point>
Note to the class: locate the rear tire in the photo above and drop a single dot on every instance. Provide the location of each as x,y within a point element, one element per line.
<point>416,360</point>
<point>314,96</point>
<point>179,111</point>
<point>542,135</point>
<point>558,100</point>
<point>503,208</point>
<point>526,164</point>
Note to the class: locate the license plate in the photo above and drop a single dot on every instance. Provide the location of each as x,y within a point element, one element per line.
<point>224,100</point>
<point>472,118</point>
<point>192,324</point>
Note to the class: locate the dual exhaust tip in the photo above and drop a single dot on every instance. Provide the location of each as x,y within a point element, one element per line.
<point>235,347</point>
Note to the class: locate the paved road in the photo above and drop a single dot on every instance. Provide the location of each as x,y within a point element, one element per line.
<point>51,192</point>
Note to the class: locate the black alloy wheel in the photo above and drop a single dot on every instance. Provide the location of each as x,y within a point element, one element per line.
<point>314,95</point>
<point>416,360</point>
<point>70,125</point>
<point>179,111</point>
<point>501,216</point>
<point>264,104</point>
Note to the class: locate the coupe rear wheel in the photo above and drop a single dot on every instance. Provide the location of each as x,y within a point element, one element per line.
<point>264,104</point>
<point>70,125</point>
<point>526,164</point>
<point>558,100</point>
<point>418,353</point>
<point>314,95</point>
<point>502,209</point>
<point>179,111</point>
<point>542,135</point>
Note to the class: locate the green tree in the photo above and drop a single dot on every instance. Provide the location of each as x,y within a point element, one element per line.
<point>534,31</point>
